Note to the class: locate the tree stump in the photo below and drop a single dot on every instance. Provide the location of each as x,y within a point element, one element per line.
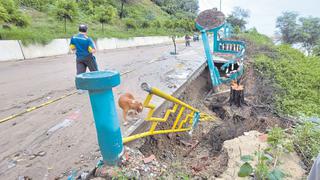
<point>236,94</point>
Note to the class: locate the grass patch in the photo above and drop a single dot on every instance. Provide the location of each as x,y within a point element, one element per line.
<point>294,76</point>
<point>44,27</point>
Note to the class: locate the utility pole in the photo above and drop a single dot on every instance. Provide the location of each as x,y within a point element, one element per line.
<point>220,5</point>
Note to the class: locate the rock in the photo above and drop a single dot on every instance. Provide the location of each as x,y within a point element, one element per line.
<point>149,159</point>
<point>263,138</point>
<point>41,153</point>
<point>29,165</point>
<point>32,157</point>
<point>81,156</point>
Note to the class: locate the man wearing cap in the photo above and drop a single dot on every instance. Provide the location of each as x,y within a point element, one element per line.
<point>84,48</point>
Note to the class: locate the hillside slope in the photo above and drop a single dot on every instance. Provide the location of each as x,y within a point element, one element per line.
<point>141,18</point>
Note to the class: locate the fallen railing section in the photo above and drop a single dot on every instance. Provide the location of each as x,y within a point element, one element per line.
<point>186,119</point>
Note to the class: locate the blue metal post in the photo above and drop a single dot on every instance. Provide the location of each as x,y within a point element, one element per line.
<point>100,84</point>
<point>215,41</point>
<point>214,73</point>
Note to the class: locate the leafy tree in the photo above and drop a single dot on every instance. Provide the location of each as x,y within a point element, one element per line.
<point>87,6</point>
<point>238,18</point>
<point>9,13</point>
<point>316,49</point>
<point>105,14</point>
<point>287,24</point>
<point>66,10</point>
<point>309,32</point>
<point>4,16</point>
<point>122,11</point>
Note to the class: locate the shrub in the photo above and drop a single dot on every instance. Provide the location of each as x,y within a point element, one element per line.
<point>20,19</point>
<point>145,24</point>
<point>36,4</point>
<point>9,13</point>
<point>131,24</point>
<point>307,141</point>
<point>4,16</point>
<point>105,14</point>
<point>156,24</point>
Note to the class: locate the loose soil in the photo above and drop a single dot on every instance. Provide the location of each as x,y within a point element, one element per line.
<point>202,155</point>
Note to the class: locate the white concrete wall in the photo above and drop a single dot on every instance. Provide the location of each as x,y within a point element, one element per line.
<point>55,47</point>
<point>10,50</point>
<point>106,43</point>
<point>124,43</point>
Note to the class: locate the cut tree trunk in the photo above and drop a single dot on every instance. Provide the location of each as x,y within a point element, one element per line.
<point>236,94</point>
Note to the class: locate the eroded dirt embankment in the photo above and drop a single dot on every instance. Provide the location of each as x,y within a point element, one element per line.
<point>202,154</point>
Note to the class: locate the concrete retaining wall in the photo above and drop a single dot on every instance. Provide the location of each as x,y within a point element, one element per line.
<point>14,50</point>
<point>55,47</point>
<point>106,43</point>
<point>10,50</point>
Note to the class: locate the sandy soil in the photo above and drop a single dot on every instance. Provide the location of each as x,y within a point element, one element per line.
<point>247,144</point>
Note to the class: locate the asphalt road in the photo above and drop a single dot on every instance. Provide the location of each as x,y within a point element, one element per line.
<point>24,84</point>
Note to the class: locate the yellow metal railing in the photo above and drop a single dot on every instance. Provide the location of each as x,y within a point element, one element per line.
<point>191,115</point>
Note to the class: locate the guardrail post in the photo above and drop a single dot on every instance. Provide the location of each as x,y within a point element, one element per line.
<point>100,84</point>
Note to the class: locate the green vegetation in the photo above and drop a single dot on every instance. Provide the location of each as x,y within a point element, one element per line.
<point>60,19</point>
<point>307,141</point>
<point>9,13</point>
<point>294,77</point>
<point>291,79</point>
<point>267,160</point>
<point>304,31</point>
<point>238,19</point>
<point>66,10</point>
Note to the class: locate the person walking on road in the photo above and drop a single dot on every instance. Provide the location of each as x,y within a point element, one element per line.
<point>187,38</point>
<point>84,48</point>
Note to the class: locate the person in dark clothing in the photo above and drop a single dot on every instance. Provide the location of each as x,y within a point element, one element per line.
<point>84,48</point>
<point>187,38</point>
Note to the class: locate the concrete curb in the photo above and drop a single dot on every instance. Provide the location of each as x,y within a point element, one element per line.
<point>55,47</point>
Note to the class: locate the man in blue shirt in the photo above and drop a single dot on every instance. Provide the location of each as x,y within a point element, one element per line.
<point>84,47</point>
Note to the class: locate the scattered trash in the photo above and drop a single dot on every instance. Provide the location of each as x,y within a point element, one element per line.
<point>24,178</point>
<point>84,175</point>
<point>73,175</point>
<point>29,165</point>
<point>12,164</point>
<point>149,159</point>
<point>133,165</point>
<point>63,124</point>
